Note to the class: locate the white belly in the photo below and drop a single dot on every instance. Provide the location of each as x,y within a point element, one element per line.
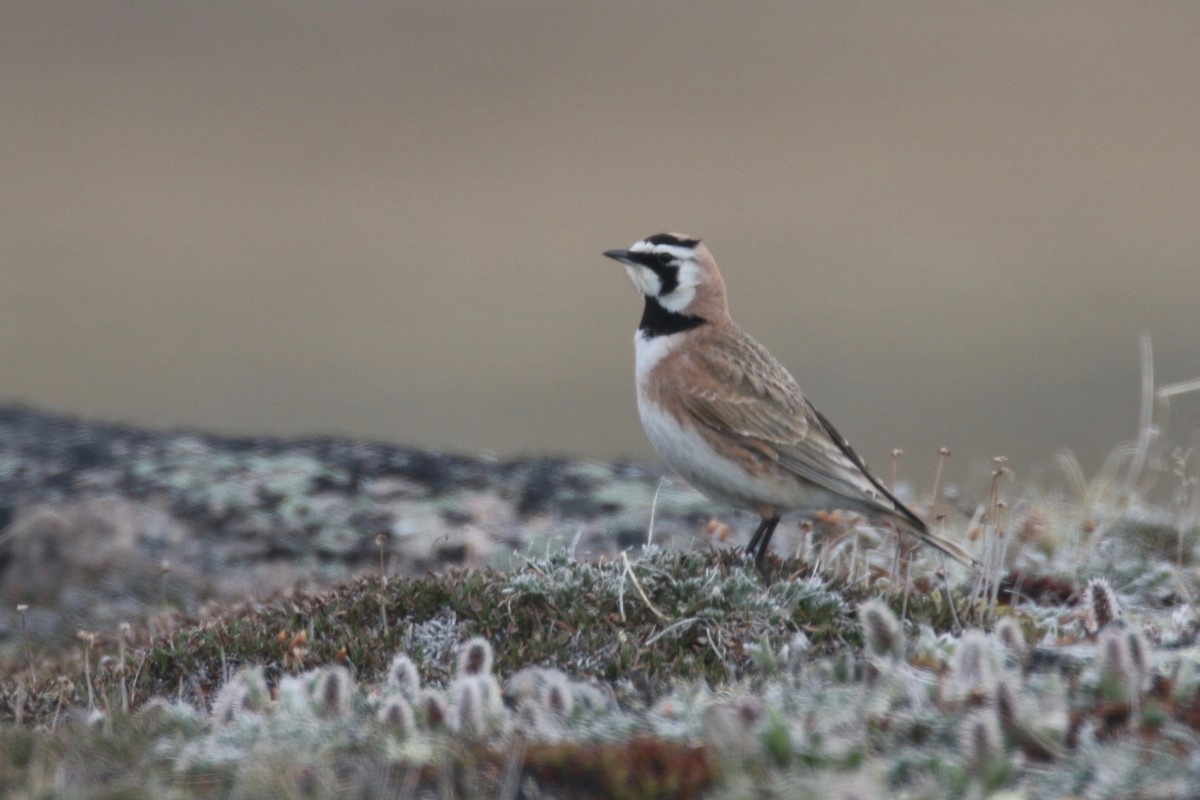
<point>685,451</point>
<point>720,479</point>
<point>697,463</point>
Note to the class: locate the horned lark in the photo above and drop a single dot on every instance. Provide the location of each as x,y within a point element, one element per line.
<point>727,416</point>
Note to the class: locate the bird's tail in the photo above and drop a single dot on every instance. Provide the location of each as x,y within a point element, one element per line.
<point>938,543</point>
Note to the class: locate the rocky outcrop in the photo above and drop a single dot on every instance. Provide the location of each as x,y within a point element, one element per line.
<point>100,520</point>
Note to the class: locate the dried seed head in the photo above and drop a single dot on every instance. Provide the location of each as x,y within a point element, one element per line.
<point>492,699</point>
<point>971,667</point>
<point>246,692</point>
<point>1102,600</point>
<point>396,714</point>
<point>257,694</point>
<point>1114,652</point>
<point>1139,651</point>
<point>1116,671</point>
<point>529,716</point>
<point>979,739</point>
<point>476,657</point>
<point>525,686</point>
<point>1010,635</point>
<point>227,706</point>
<point>881,629</point>
<point>468,707</point>
<point>404,677</point>
<point>433,706</point>
<point>332,691</point>
<point>1004,701</point>
<point>556,694</point>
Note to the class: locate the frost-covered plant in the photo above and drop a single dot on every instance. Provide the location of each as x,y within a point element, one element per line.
<point>396,714</point>
<point>403,677</point>
<point>475,658</point>
<point>433,706</point>
<point>881,630</point>
<point>1008,632</point>
<point>1101,601</point>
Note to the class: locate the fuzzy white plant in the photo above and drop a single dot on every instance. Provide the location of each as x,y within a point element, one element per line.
<point>244,693</point>
<point>432,704</point>
<point>396,714</point>
<point>466,703</point>
<point>979,739</point>
<point>403,677</point>
<point>477,708</point>
<point>556,696</point>
<point>1140,656</point>
<point>332,692</point>
<point>1101,601</point>
<point>881,630</point>
<point>1008,632</point>
<point>1118,676</point>
<point>475,658</point>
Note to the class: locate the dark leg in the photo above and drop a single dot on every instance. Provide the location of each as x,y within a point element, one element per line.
<point>765,530</point>
<point>754,540</point>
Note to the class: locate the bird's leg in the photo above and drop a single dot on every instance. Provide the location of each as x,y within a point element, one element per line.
<point>765,530</point>
<point>758,532</point>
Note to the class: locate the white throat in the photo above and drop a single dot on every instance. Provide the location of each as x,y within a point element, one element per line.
<point>644,280</point>
<point>648,351</point>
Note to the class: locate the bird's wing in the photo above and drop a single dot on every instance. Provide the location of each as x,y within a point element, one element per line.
<point>738,388</point>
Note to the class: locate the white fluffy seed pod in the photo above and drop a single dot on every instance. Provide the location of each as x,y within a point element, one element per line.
<point>433,707</point>
<point>556,694</point>
<point>979,739</point>
<point>245,692</point>
<point>475,657</point>
<point>1102,601</point>
<point>1139,651</point>
<point>332,691</point>
<point>492,700</point>
<point>972,663</point>
<point>525,685</point>
<point>468,716</point>
<point>1004,703</point>
<point>1010,635</point>
<point>403,676</point>
<point>396,714</point>
<point>881,630</point>
<point>227,705</point>
<point>1116,667</point>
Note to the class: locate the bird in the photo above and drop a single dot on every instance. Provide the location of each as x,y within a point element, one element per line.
<point>727,417</point>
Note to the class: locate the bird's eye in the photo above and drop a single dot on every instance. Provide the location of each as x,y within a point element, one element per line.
<point>665,258</point>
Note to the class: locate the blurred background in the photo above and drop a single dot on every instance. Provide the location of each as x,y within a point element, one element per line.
<point>950,221</point>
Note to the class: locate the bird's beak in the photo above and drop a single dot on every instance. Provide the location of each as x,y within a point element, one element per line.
<point>624,256</point>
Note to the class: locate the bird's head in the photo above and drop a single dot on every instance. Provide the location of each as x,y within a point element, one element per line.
<point>675,271</point>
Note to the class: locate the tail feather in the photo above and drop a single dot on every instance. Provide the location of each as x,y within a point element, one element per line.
<point>939,543</point>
